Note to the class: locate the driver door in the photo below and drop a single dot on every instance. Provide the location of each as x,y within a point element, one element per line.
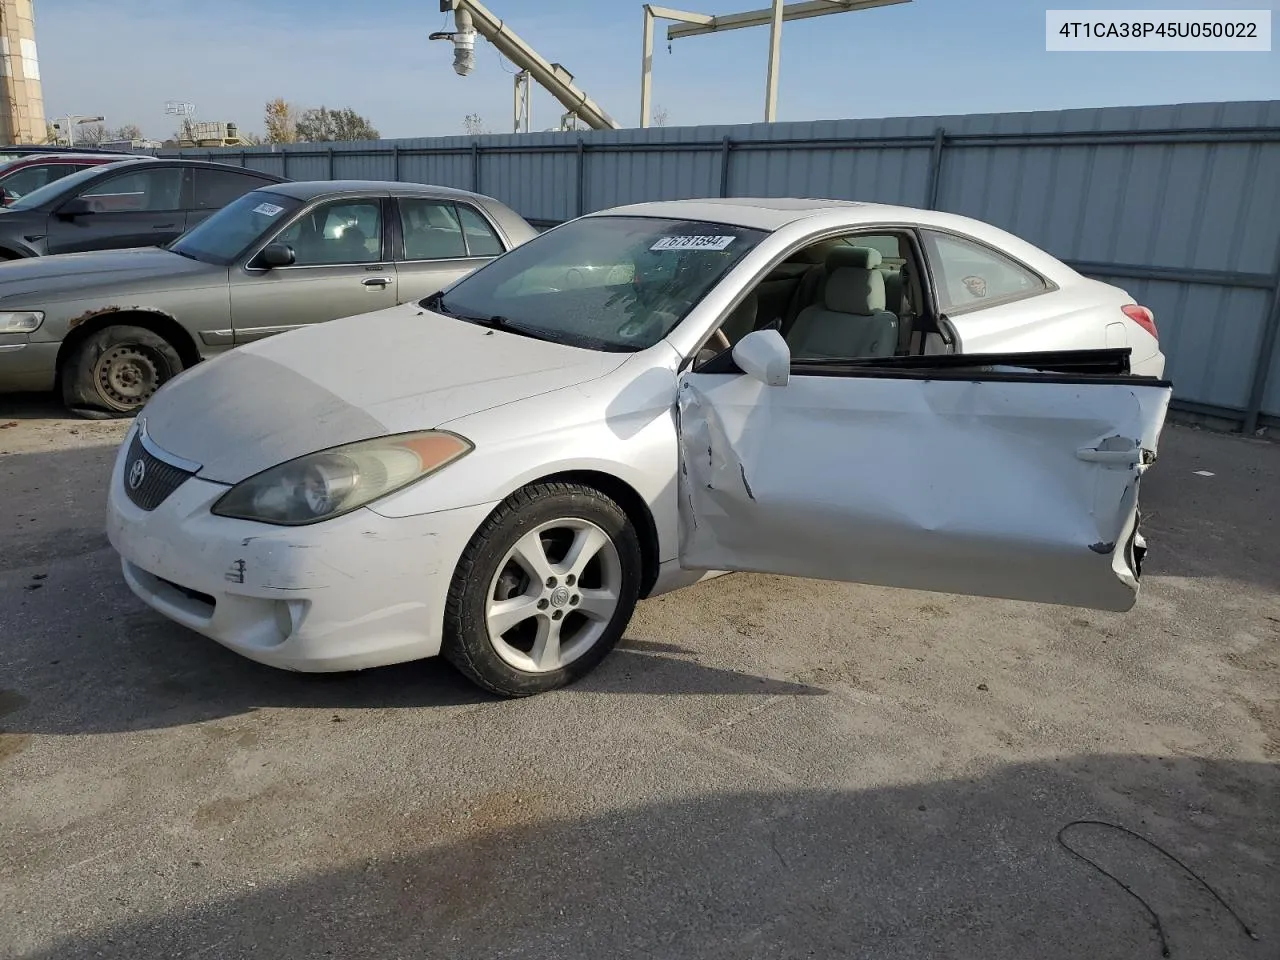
<point>341,270</point>
<point>973,475</point>
<point>139,208</point>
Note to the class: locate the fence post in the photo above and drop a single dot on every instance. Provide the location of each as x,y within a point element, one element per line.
<point>284,163</point>
<point>331,163</point>
<point>244,158</point>
<point>582,179</point>
<point>395,162</point>
<point>726,145</point>
<point>1265,357</point>
<point>475,166</point>
<point>935,168</point>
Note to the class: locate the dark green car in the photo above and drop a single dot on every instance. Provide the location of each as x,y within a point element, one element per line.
<point>108,328</point>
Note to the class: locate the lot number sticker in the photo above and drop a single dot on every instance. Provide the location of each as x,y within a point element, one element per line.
<point>692,243</point>
<point>267,209</point>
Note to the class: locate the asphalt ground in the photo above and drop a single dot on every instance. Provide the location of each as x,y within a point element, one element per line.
<point>767,768</point>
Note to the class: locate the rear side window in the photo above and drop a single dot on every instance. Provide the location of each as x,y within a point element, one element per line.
<point>970,276</point>
<point>431,230</point>
<point>481,240</point>
<point>214,189</point>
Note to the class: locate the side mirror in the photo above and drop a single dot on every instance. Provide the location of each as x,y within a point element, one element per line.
<point>276,255</point>
<point>6,197</point>
<point>763,354</point>
<point>75,207</point>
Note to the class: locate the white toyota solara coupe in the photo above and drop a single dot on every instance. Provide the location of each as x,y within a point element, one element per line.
<point>636,399</point>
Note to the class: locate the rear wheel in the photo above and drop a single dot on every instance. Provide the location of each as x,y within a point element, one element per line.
<point>115,370</point>
<point>544,590</point>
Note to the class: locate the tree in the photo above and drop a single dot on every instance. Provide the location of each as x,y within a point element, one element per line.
<point>91,134</point>
<point>280,119</point>
<point>349,125</point>
<point>660,116</point>
<point>474,125</point>
<point>129,131</point>
<point>322,125</point>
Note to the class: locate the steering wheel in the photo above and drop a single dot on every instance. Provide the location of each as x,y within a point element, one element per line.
<point>719,341</point>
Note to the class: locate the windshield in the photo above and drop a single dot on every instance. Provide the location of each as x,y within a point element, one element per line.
<point>222,237</point>
<point>68,185</point>
<point>607,283</point>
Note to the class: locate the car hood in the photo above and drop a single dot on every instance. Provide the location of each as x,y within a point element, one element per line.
<point>367,376</point>
<point>47,278</point>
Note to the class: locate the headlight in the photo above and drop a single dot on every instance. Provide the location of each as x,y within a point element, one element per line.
<point>332,482</point>
<point>21,321</point>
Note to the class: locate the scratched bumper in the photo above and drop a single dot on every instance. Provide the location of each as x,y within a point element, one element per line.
<point>350,593</point>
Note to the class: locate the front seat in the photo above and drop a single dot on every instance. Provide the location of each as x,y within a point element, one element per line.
<point>849,318</point>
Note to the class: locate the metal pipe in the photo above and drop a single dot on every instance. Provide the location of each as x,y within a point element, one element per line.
<point>1266,356</point>
<point>689,27</point>
<point>646,67</point>
<point>775,64</point>
<point>557,80</point>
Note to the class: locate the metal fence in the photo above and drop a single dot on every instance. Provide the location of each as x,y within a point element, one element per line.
<point>1178,204</point>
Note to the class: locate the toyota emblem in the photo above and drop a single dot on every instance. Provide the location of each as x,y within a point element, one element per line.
<point>137,473</point>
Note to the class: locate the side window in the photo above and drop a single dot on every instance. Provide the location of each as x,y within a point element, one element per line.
<point>146,191</point>
<point>431,230</point>
<point>340,231</point>
<point>481,240</point>
<point>21,182</point>
<point>970,275</point>
<point>214,189</point>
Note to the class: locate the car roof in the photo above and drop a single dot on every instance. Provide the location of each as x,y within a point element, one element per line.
<point>310,189</point>
<point>761,213</point>
<point>198,164</point>
<point>65,155</point>
<point>29,148</point>
<point>774,213</point>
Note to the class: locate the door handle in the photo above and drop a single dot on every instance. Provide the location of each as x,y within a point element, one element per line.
<point>164,226</point>
<point>1122,458</point>
<point>376,281</point>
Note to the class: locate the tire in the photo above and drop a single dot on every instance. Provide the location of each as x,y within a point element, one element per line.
<point>115,370</point>
<point>585,605</point>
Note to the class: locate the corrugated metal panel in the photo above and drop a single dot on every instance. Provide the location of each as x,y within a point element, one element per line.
<point>1189,198</point>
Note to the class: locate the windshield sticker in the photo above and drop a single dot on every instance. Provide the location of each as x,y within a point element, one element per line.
<point>692,243</point>
<point>267,209</point>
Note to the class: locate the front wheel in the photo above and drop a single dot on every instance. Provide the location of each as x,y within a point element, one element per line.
<point>115,370</point>
<point>543,591</point>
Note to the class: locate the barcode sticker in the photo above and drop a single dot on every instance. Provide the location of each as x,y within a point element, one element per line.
<point>693,243</point>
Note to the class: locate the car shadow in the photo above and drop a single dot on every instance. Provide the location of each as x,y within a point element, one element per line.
<point>958,868</point>
<point>31,406</point>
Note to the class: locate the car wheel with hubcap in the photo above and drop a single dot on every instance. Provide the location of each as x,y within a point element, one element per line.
<point>543,591</point>
<point>115,370</point>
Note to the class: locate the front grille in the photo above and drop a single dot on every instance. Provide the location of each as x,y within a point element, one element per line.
<point>148,480</point>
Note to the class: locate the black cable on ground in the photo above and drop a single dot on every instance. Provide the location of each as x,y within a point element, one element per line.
<point>1155,917</point>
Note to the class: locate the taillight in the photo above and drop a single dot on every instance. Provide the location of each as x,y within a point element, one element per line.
<point>1142,317</point>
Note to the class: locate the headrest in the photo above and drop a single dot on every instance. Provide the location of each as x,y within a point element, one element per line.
<point>854,290</point>
<point>865,258</point>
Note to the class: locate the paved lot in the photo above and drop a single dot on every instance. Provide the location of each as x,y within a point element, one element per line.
<point>769,768</point>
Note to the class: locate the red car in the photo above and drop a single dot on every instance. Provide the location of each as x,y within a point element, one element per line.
<point>22,173</point>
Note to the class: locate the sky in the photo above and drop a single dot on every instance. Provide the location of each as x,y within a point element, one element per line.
<point>125,58</point>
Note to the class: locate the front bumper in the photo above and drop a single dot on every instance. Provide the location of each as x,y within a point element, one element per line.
<point>358,591</point>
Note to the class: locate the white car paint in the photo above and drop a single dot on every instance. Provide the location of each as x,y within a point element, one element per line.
<point>368,588</point>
